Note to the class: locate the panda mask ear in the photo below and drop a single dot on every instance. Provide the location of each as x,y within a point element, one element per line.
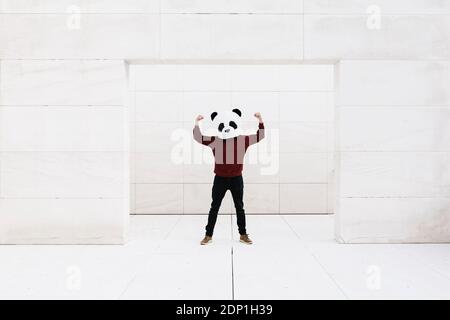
<point>238,112</point>
<point>213,116</point>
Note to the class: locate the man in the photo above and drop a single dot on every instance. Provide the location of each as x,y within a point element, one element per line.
<point>229,157</point>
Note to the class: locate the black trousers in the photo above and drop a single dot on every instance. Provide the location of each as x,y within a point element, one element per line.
<point>220,187</point>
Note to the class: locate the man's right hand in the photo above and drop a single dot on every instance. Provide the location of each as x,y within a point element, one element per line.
<point>199,118</point>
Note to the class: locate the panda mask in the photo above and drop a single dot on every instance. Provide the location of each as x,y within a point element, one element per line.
<point>227,123</point>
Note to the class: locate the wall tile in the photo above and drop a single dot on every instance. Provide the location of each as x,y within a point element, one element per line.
<point>398,37</point>
<point>159,198</point>
<point>394,129</point>
<point>385,6</point>
<point>303,137</point>
<point>232,6</point>
<point>307,106</point>
<point>156,77</point>
<point>187,36</point>
<point>156,137</point>
<point>157,168</point>
<point>261,198</point>
<point>205,103</point>
<point>197,199</point>
<point>198,173</point>
<point>393,83</point>
<point>394,174</point>
<point>306,77</point>
<point>250,102</point>
<point>62,128</point>
<point>60,83</point>
<point>86,6</point>
<point>158,106</point>
<point>303,167</point>
<point>206,77</point>
<point>303,198</point>
<point>62,174</point>
<point>95,36</point>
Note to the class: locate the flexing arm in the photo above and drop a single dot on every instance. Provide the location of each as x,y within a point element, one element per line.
<point>260,134</point>
<point>205,140</point>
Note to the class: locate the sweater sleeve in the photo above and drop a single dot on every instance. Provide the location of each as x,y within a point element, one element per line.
<point>200,138</point>
<point>255,138</point>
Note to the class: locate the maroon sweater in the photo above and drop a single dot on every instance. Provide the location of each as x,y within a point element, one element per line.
<point>229,153</point>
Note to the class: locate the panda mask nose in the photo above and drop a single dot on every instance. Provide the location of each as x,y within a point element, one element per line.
<point>227,130</point>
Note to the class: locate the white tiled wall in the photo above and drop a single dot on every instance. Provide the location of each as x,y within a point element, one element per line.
<point>296,102</point>
<point>394,151</point>
<point>398,107</point>
<point>63,152</point>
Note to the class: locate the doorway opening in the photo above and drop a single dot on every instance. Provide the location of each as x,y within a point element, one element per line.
<point>289,172</point>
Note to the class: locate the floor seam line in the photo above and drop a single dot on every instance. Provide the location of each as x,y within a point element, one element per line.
<point>316,259</point>
<point>232,258</point>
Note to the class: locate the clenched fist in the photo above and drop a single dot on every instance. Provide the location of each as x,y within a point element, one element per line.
<point>258,116</point>
<point>199,118</point>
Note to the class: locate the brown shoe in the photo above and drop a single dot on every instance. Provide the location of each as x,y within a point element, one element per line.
<point>206,240</point>
<point>245,239</point>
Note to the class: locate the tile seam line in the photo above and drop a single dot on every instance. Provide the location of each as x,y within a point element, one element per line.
<point>127,287</point>
<point>316,259</point>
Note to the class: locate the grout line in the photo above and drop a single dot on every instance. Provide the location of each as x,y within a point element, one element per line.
<point>228,13</point>
<point>316,258</point>
<point>233,91</point>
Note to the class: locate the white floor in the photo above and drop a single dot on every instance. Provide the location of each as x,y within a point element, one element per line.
<point>294,257</point>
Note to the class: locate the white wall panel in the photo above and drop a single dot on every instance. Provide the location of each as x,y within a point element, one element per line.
<point>307,106</point>
<point>62,128</point>
<point>388,220</point>
<point>62,82</point>
<point>95,36</point>
<point>231,36</point>
<point>303,167</point>
<point>85,6</point>
<point>168,104</point>
<point>157,168</point>
<point>392,163</point>
<point>264,102</point>
<point>303,137</point>
<point>348,36</point>
<point>63,141</point>
<point>204,103</point>
<point>262,198</point>
<point>62,174</point>
<point>394,83</point>
<point>199,173</point>
<point>159,198</point>
<point>303,198</point>
<point>155,137</point>
<point>232,6</point>
<point>394,174</point>
<point>385,6</point>
<point>198,196</point>
<point>394,129</point>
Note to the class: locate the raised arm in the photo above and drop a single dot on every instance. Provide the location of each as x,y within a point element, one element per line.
<point>198,136</point>
<point>260,134</point>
